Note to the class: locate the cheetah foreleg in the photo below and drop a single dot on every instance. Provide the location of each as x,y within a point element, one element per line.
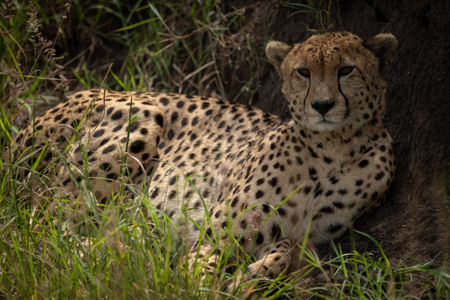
<point>273,260</point>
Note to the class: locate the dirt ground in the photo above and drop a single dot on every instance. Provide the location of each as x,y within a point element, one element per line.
<point>415,221</point>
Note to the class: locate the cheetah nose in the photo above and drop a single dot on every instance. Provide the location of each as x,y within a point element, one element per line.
<point>322,106</point>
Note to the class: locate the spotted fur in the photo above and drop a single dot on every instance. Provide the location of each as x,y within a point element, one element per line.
<point>264,180</point>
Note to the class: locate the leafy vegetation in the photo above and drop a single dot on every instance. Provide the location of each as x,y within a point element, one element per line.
<point>321,16</point>
<point>129,249</point>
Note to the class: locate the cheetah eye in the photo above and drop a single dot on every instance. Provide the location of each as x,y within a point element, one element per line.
<point>345,71</point>
<point>304,72</point>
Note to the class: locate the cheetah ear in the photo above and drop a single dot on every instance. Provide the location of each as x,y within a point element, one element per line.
<point>276,53</point>
<point>384,46</point>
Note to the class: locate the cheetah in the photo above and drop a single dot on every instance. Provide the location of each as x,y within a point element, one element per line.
<point>262,183</point>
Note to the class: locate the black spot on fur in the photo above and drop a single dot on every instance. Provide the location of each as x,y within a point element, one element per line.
<point>275,232</point>
<point>174,117</point>
<point>29,142</point>
<point>379,176</point>
<point>137,146</point>
<point>306,190</point>
<point>117,115</point>
<point>259,238</point>
<point>164,101</point>
<point>170,134</point>
<point>98,133</point>
<point>159,120</point>
<point>105,166</point>
<point>168,149</point>
<point>333,180</point>
<point>109,149</point>
<point>273,181</point>
<point>259,194</point>
<point>143,131</point>
<point>133,127</point>
<point>333,228</point>
<point>281,211</point>
<point>338,204</point>
<point>112,176</point>
<point>326,210</point>
<point>117,128</point>
<point>192,107</point>
<point>363,163</point>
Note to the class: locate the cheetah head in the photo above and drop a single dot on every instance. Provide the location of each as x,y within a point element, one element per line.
<point>334,81</point>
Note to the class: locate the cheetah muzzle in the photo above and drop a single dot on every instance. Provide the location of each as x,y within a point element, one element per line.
<point>264,182</point>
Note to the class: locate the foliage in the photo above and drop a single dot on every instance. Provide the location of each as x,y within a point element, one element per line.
<point>314,9</point>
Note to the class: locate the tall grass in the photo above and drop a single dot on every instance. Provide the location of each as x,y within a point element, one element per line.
<point>128,249</point>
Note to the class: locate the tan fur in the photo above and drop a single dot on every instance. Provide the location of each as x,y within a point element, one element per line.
<point>263,180</point>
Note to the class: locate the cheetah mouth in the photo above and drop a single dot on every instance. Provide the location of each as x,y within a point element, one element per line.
<point>327,120</point>
<point>325,123</point>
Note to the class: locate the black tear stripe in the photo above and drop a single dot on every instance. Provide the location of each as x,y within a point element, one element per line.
<point>307,93</point>
<point>345,97</point>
